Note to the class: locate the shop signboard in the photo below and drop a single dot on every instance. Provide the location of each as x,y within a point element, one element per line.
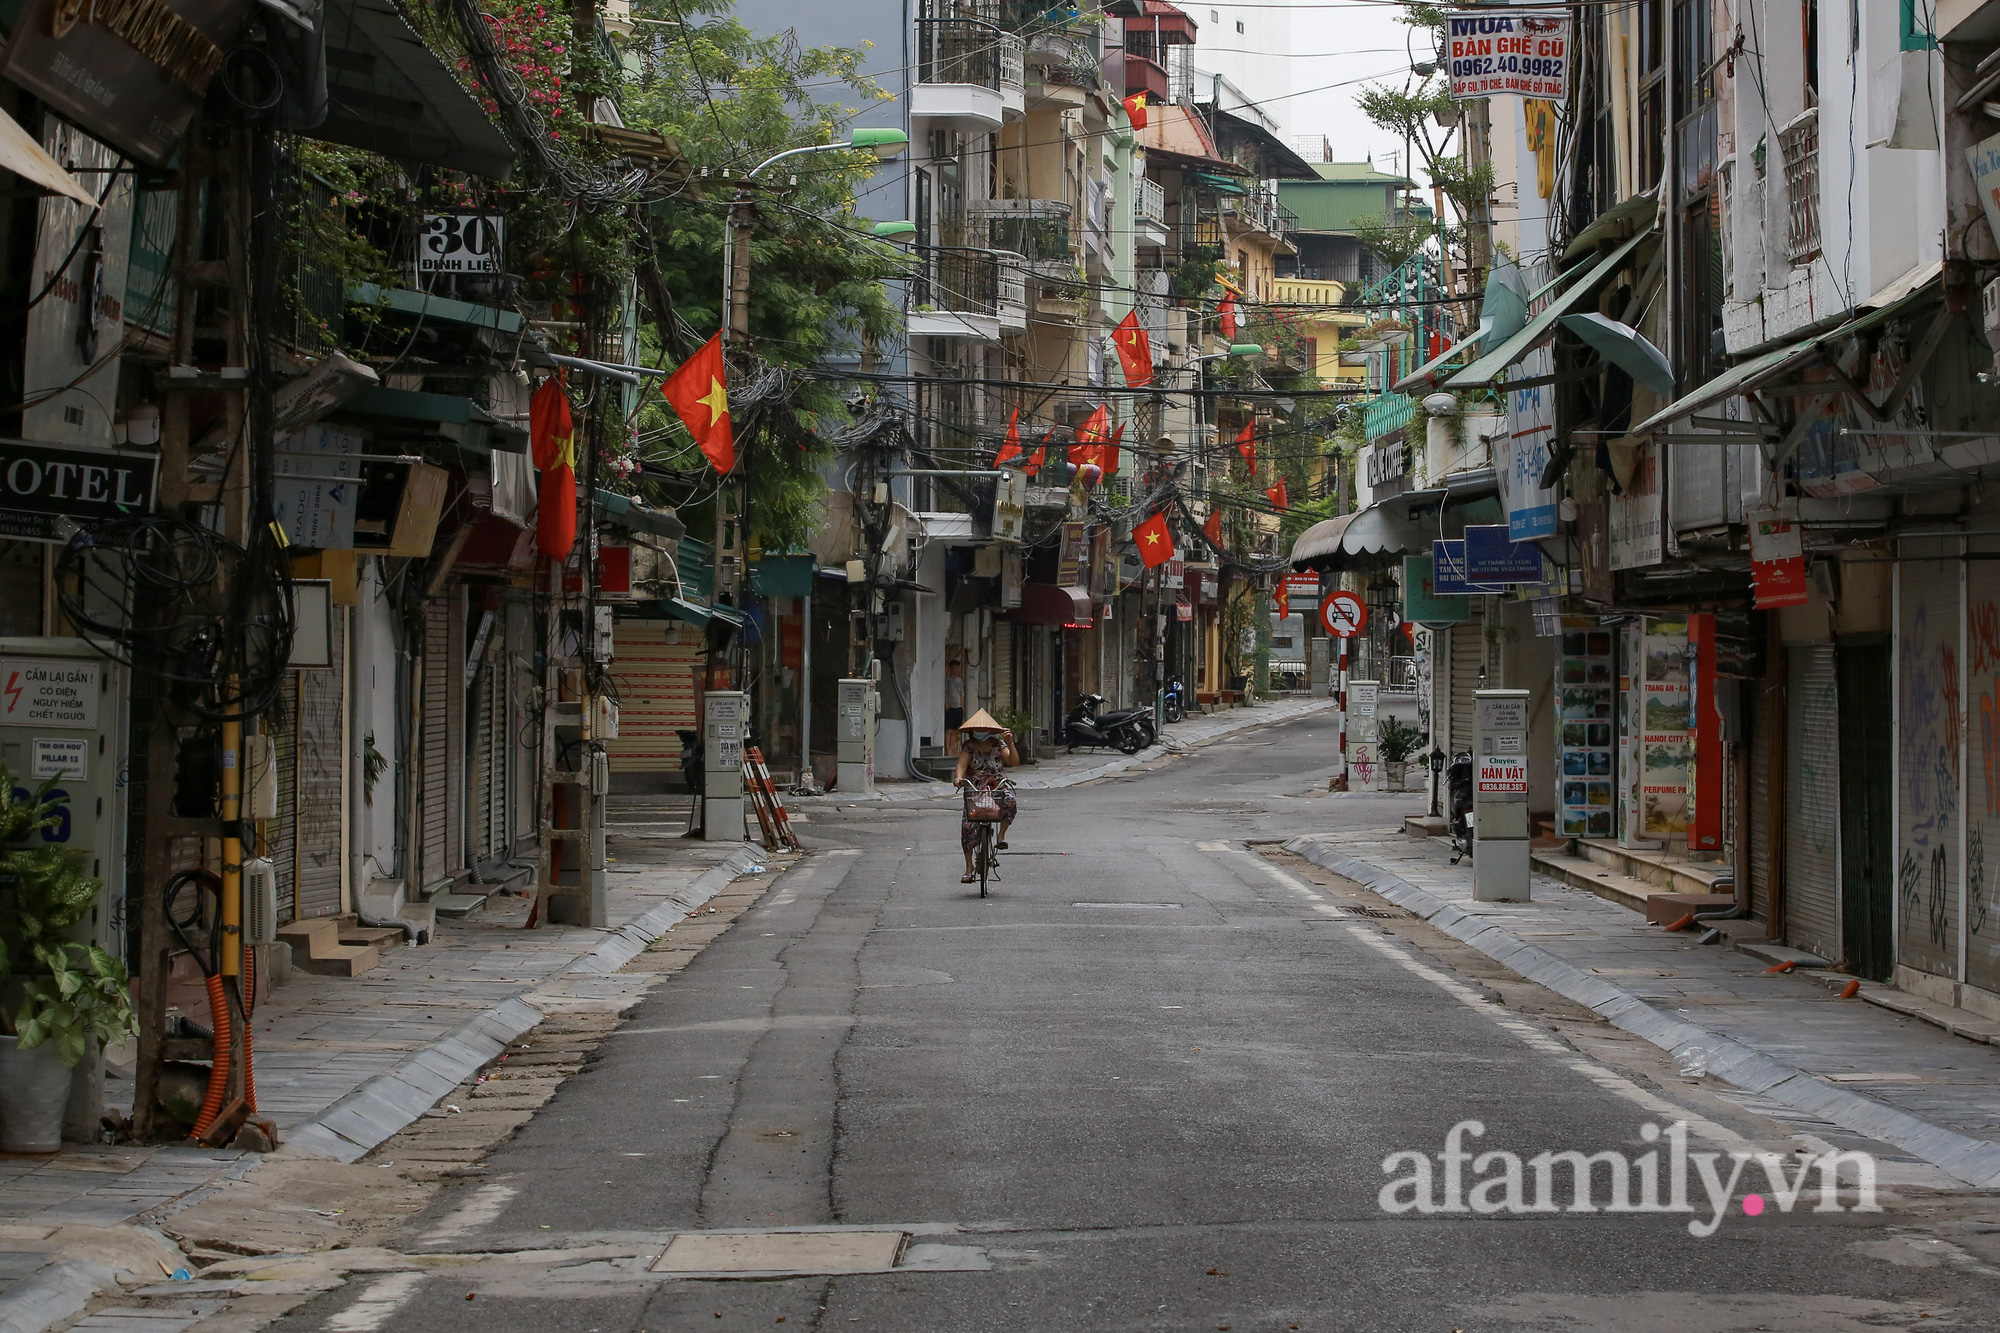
<point>1508,52</point>
<point>1492,556</point>
<point>1586,698</point>
<point>1422,603</point>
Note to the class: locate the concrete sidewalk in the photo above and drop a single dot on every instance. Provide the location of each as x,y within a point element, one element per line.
<point>344,1063</point>
<point>1057,769</point>
<point>1786,1038</point>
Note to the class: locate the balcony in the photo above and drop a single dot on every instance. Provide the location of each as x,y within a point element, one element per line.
<point>958,75</point>
<point>1011,292</point>
<point>1149,213</point>
<point>956,295</point>
<point>1038,230</point>
<point>1097,253</point>
<point>1308,292</point>
<point>1386,412</point>
<point>1143,76</point>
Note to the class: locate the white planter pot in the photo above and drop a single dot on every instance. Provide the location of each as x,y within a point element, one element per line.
<point>1397,772</point>
<point>34,1086</point>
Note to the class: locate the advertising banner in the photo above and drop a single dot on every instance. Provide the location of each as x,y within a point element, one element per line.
<point>1520,52</point>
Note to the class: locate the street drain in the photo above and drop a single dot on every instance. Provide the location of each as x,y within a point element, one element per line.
<point>1174,907</point>
<point>781,1253</point>
<point>1385,913</point>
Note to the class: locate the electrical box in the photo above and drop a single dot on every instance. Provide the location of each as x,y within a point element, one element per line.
<point>890,625</point>
<point>1500,796</point>
<point>62,717</point>
<point>855,737</point>
<point>603,643</point>
<point>1364,757</point>
<point>726,718</point>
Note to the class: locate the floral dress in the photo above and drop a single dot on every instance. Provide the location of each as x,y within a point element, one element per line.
<point>984,769</point>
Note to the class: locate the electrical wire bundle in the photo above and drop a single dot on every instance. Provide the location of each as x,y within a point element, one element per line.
<point>172,598</point>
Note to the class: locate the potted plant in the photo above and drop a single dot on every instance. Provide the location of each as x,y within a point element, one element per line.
<point>59,993</point>
<point>1396,740</point>
<point>1022,724</point>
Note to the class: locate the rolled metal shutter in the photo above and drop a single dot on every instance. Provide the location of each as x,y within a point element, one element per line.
<point>1468,650</point>
<point>484,769</point>
<point>281,834</point>
<point>1812,802</point>
<point>456,718</point>
<point>656,698</point>
<point>1928,800</point>
<point>1003,663</point>
<point>435,742</point>
<point>1767,738</point>
<point>322,800</point>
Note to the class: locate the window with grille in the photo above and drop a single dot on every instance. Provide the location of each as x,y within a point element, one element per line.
<point>1798,145</point>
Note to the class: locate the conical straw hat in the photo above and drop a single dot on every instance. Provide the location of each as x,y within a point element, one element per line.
<point>980,721</point>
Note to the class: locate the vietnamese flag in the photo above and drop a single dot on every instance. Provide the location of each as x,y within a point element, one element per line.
<point>1041,455</point>
<point>1090,434</point>
<point>552,439</point>
<point>1135,107</point>
<point>1155,541</point>
<point>1107,457</point>
<point>1277,496</point>
<point>1246,444</point>
<point>1213,528</point>
<point>1283,598</point>
<point>1012,448</point>
<point>699,394</point>
<point>1227,312</point>
<point>1135,351</point>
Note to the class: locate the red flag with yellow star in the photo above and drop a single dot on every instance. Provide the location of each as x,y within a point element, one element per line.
<point>1277,495</point>
<point>1283,599</point>
<point>1135,351</point>
<point>1135,107</point>
<point>1246,444</point>
<point>1090,434</point>
<point>699,393</point>
<point>1107,456</point>
<point>1154,540</point>
<point>552,442</point>
<point>1012,448</point>
<point>1213,528</point>
<point>1230,320</point>
<point>1041,455</point>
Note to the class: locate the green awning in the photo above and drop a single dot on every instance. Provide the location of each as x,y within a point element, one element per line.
<point>1226,184</point>
<point>1425,374</point>
<point>728,615</point>
<point>1772,365</point>
<point>692,612</point>
<point>431,307</point>
<point>1540,328</point>
<point>1625,347</point>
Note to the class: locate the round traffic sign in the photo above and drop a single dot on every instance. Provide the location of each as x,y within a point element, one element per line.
<point>1344,614</point>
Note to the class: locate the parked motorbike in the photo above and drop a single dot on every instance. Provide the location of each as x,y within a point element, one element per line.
<point>1127,730</point>
<point>1458,797</point>
<point>1174,702</point>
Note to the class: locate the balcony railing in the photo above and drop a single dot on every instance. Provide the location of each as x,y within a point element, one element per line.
<point>1013,61</point>
<point>1149,203</point>
<point>1386,412</point>
<point>1798,142</point>
<point>1305,291</point>
<point>1143,76</point>
<point>958,51</point>
<point>1036,229</point>
<point>961,281</point>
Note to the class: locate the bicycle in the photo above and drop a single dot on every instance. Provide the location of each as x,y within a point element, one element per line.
<point>986,814</point>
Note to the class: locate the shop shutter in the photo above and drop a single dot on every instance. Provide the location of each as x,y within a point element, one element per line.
<point>457,714</point>
<point>1767,738</point>
<point>1812,802</point>
<point>1982,767</point>
<point>1468,648</point>
<point>322,794</point>
<point>654,672</point>
<point>1002,651</point>
<point>435,743</point>
<point>483,767</point>
<point>281,834</point>
<point>1928,688</point>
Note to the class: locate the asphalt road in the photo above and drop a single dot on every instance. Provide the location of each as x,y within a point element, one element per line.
<point>1150,1084</point>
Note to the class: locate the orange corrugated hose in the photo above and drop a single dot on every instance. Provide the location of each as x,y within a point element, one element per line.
<point>218,1076</point>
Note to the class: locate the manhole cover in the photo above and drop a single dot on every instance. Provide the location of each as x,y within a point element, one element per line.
<point>781,1252</point>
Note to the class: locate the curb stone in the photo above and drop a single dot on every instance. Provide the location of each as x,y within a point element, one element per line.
<point>52,1294</point>
<point>1974,1161</point>
<point>353,1126</point>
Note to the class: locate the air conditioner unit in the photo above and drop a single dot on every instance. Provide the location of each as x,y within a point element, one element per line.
<point>260,900</point>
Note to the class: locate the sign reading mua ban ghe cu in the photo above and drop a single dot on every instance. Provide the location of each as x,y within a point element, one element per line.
<point>1501,52</point>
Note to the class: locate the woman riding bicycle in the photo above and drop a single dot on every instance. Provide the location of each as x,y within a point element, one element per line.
<point>985,753</point>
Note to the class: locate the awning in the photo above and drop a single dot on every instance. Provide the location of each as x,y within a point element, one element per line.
<point>1621,219</point>
<point>1377,535</point>
<point>438,308</point>
<point>1624,347</point>
<point>1226,184</point>
<point>728,615</point>
<point>20,154</point>
<point>694,613</point>
<point>1781,362</point>
<point>387,93</point>
<point>1047,604</point>
<point>1426,374</point>
<point>1538,329</point>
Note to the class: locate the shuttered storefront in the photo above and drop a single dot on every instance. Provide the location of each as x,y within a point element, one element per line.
<point>1982,766</point>
<point>435,744</point>
<point>1003,664</point>
<point>458,750</point>
<point>1812,802</point>
<point>281,834</point>
<point>1927,761</point>
<point>321,781</point>
<point>654,672</point>
<point>1765,821</point>
<point>1467,650</point>
<point>490,792</point>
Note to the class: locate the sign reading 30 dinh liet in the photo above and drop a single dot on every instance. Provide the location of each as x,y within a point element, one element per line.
<point>1500,52</point>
